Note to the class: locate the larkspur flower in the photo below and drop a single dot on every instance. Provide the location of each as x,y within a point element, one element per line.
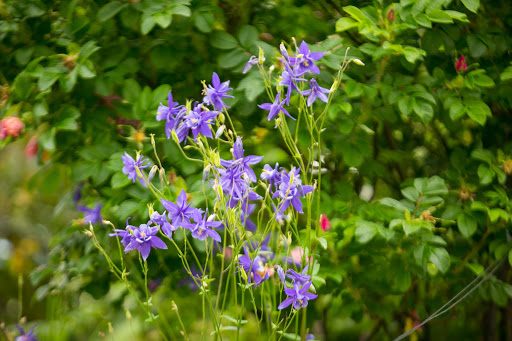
<point>130,166</point>
<point>161,220</point>
<point>168,113</point>
<point>214,94</point>
<point>203,228</point>
<point>252,61</point>
<point>125,234</point>
<point>280,274</point>
<point>92,215</point>
<point>275,108</point>
<point>144,238</point>
<point>288,79</point>
<point>315,92</point>
<point>254,268</point>
<point>297,297</point>
<point>272,175</point>
<point>180,212</point>
<point>299,279</point>
<point>199,121</point>
<point>291,190</point>
<point>241,162</point>
<point>30,336</point>
<point>304,61</point>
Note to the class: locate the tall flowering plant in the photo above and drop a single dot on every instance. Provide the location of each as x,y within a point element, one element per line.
<point>264,220</point>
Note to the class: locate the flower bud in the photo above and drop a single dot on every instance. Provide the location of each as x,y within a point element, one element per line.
<point>206,172</point>
<point>357,61</point>
<point>325,224</point>
<point>152,173</point>
<point>507,167</point>
<point>31,148</point>
<point>391,15</point>
<point>261,55</point>
<point>220,131</point>
<point>461,66</point>
<point>10,126</point>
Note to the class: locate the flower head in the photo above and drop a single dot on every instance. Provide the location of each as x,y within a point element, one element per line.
<point>298,296</point>
<point>272,175</point>
<point>144,238</point>
<point>291,190</point>
<point>461,64</point>
<point>92,215</point>
<point>315,92</point>
<point>180,212</point>
<point>304,61</point>
<point>169,113</point>
<point>214,94</point>
<point>289,79</point>
<point>240,162</point>
<point>10,126</point>
<point>161,220</point>
<point>30,336</point>
<point>202,228</point>
<point>299,279</point>
<point>255,268</point>
<point>199,121</point>
<point>130,167</point>
<point>275,108</point>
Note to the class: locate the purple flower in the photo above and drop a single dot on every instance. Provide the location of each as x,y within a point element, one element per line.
<point>299,279</point>
<point>275,108</point>
<point>202,228</point>
<point>181,213</point>
<point>288,79</point>
<point>280,274</point>
<point>168,114</point>
<point>31,336</point>
<point>199,121</point>
<point>241,163</point>
<point>92,215</point>
<point>161,220</point>
<point>315,92</point>
<point>144,238</point>
<point>125,234</point>
<point>272,175</point>
<point>130,166</point>
<point>304,61</point>
<point>254,268</point>
<point>299,297</point>
<point>290,190</point>
<point>252,61</point>
<point>215,94</point>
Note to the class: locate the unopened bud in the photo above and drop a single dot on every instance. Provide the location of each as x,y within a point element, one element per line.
<point>271,68</point>
<point>206,172</point>
<point>152,173</point>
<point>357,61</point>
<point>391,15</point>
<point>174,306</point>
<point>220,131</point>
<point>128,315</point>
<point>261,56</point>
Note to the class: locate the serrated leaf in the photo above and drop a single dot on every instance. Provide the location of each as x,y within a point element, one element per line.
<point>440,258</point>
<point>467,224</point>
<point>457,110</point>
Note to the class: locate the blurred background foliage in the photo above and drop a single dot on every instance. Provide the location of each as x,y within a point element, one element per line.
<point>417,170</point>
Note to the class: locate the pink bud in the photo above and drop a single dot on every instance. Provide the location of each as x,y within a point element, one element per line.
<point>461,64</point>
<point>10,126</point>
<point>325,224</point>
<point>31,148</point>
<point>391,15</point>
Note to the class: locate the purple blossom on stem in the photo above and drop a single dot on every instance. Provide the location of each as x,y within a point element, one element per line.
<point>252,61</point>
<point>130,166</point>
<point>275,108</point>
<point>202,228</point>
<point>315,92</point>
<point>168,114</point>
<point>161,220</point>
<point>125,234</point>
<point>199,121</point>
<point>240,162</point>
<point>280,274</point>
<point>144,238</point>
<point>30,336</point>
<point>289,79</point>
<point>92,215</point>
<point>214,94</point>
<point>299,279</point>
<point>254,268</point>
<point>180,212</point>
<point>291,190</point>
<point>304,61</point>
<point>272,175</point>
<point>297,296</point>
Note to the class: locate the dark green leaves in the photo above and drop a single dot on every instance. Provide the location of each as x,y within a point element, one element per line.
<point>223,40</point>
<point>110,10</point>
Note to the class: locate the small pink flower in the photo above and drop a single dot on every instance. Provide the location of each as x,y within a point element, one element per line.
<point>325,224</point>
<point>297,253</point>
<point>391,15</point>
<point>10,126</point>
<point>31,148</point>
<point>461,64</point>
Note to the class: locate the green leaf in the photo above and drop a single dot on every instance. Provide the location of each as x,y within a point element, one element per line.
<point>476,47</point>
<point>431,186</point>
<point>46,80</point>
<point>126,209</point>
<point>457,15</point>
<point>248,36</point>
<point>424,110</point>
<point>355,13</point>
<point>204,22</point>
<point>322,242</point>
<point>393,203</point>
<point>411,193</point>
<point>405,105</point>
<point>233,58</point>
<point>423,20</point>
<point>403,280</point>
<point>457,110</point>
<point>47,139</point>
<point>119,180</point>
<point>131,90</point>
<point>440,258</point>
<point>345,23</point>
<point>439,16</point>
<point>40,109</point>
<point>163,19</point>
<point>482,155</point>
<point>497,213</point>
<point>110,10</point>
<point>23,85</point>
<point>411,226</point>
<point>253,87</point>
<point>147,24</point>
<point>223,40</point>
<point>88,49</point>
<point>467,224</point>
<point>477,110</point>
<point>365,231</point>
<point>485,174</point>
<point>481,79</point>
<point>87,70</point>
<point>472,5</point>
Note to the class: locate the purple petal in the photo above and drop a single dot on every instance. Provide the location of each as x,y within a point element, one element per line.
<point>285,303</point>
<point>144,249</point>
<point>158,243</point>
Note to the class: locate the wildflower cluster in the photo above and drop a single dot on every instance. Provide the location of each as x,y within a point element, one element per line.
<point>297,290</point>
